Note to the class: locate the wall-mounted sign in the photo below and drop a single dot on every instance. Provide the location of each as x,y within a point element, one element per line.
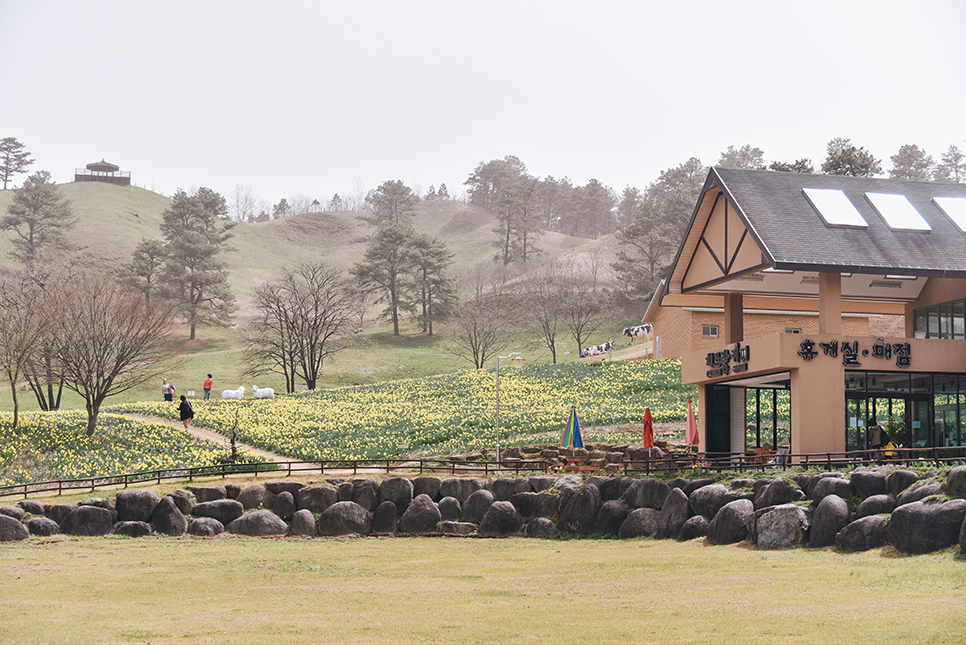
<point>852,352</point>
<point>730,361</point>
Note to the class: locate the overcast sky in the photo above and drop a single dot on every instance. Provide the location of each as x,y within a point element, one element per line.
<point>314,98</point>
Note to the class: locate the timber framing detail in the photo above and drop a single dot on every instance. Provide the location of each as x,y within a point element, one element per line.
<point>720,247</point>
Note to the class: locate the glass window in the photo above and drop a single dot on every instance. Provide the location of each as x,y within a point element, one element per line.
<point>946,320</point>
<point>933,330</point>
<point>855,381</point>
<point>888,382</point>
<point>959,320</point>
<point>709,331</point>
<point>793,330</point>
<point>919,317</point>
<point>921,383</point>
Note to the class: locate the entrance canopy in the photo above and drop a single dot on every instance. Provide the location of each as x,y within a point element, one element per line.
<point>763,233</point>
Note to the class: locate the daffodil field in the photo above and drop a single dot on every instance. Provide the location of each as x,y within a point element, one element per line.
<point>55,445</point>
<point>432,416</point>
<point>443,415</point>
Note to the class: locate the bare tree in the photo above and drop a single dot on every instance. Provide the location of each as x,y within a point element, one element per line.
<point>583,311</point>
<point>545,295</point>
<point>109,340</point>
<point>483,325</point>
<point>24,326</point>
<point>244,205</point>
<point>301,318</point>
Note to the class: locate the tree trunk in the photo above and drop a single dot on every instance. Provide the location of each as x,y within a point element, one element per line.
<point>93,409</point>
<point>16,406</point>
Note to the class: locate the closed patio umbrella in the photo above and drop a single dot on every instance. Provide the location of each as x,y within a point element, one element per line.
<point>691,431</point>
<point>648,429</point>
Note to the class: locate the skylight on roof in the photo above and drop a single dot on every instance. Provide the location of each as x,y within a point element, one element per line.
<point>898,212</point>
<point>954,208</point>
<point>834,207</point>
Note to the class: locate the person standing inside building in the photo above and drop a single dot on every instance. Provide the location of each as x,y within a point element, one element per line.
<point>207,387</point>
<point>877,438</point>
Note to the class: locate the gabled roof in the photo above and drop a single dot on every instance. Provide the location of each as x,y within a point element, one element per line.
<point>749,223</point>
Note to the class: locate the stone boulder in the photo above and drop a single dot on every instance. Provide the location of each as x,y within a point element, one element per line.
<point>476,506</point>
<point>346,491</point>
<point>208,493</point>
<point>917,492</point>
<point>542,528</point>
<point>12,530</point>
<point>502,519</point>
<point>59,512</point>
<point>708,500</point>
<point>695,527</point>
<point>365,493</point>
<point>863,534</point>
<point>135,505</point>
<point>831,516</point>
<point>646,493</point>
<point>695,484</point>
<point>427,486</point>
<point>817,478</point>
<point>505,488</point>
<point>345,518</point>
<point>206,527</point>
<point>536,504</point>
<point>185,500</point>
<point>777,492</point>
<point>385,519</point>
<point>102,502</point>
<point>317,498</point>
<point>256,496</point>
<point>398,490</point>
<point>955,483</point>
<point>15,512</point>
<point>303,523</point>
<point>730,524</point>
<point>285,505</point>
<point>88,521</point>
<point>232,491</point>
<point>456,529</point>
<point>614,488</point>
<point>611,516</point>
<point>223,510</point>
<point>421,517</point>
<point>42,526</point>
<point>640,522</point>
<point>780,527</point>
<point>869,482</point>
<point>168,518</point>
<point>568,481</point>
<point>831,486</point>
<point>450,509</point>
<point>258,524</point>
<point>285,485</point>
<point>133,529</point>
<point>460,488</point>
<point>31,506</point>
<point>900,480</point>
<point>921,527</point>
<point>578,517</point>
<point>674,514</point>
<point>876,505</point>
<point>538,484</point>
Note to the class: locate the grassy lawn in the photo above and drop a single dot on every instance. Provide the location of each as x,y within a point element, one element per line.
<point>428,590</point>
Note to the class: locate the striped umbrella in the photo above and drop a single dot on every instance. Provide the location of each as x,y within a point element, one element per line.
<point>571,437</point>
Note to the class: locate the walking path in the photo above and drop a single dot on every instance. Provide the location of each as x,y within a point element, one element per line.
<point>209,435</point>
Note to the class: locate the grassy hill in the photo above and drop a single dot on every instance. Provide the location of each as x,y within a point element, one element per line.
<point>113,219</point>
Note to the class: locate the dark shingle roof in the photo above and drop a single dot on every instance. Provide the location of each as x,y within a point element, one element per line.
<point>792,235</point>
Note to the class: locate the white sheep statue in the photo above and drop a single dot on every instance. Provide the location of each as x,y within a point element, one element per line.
<point>234,394</point>
<point>263,392</point>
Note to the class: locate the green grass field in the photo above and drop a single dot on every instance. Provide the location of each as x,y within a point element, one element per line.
<point>239,591</point>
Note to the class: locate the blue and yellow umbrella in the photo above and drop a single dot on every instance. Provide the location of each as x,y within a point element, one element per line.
<point>571,437</point>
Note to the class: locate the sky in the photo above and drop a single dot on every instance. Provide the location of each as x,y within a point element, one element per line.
<point>314,98</point>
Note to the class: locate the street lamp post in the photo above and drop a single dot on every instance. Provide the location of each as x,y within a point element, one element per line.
<point>510,355</point>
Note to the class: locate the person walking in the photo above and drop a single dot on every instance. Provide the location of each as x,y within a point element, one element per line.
<point>167,390</point>
<point>207,387</point>
<point>186,411</point>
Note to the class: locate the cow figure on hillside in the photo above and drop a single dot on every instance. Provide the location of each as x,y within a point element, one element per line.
<point>644,331</point>
<point>596,350</point>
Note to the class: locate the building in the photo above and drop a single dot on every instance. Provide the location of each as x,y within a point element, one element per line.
<point>103,171</point>
<point>764,241</point>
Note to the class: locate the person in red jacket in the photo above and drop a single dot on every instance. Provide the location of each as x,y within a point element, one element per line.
<point>207,387</point>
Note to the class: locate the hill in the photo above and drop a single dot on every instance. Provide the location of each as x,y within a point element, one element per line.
<point>113,219</point>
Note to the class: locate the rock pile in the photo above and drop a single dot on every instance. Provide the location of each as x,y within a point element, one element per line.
<point>896,507</point>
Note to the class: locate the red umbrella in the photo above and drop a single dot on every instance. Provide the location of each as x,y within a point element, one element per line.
<point>691,433</point>
<point>648,428</point>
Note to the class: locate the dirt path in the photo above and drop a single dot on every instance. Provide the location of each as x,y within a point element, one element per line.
<point>209,435</point>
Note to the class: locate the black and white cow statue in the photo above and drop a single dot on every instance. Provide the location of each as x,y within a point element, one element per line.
<point>597,350</point>
<point>644,331</point>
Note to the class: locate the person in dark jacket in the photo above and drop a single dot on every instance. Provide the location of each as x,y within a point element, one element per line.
<point>187,412</point>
